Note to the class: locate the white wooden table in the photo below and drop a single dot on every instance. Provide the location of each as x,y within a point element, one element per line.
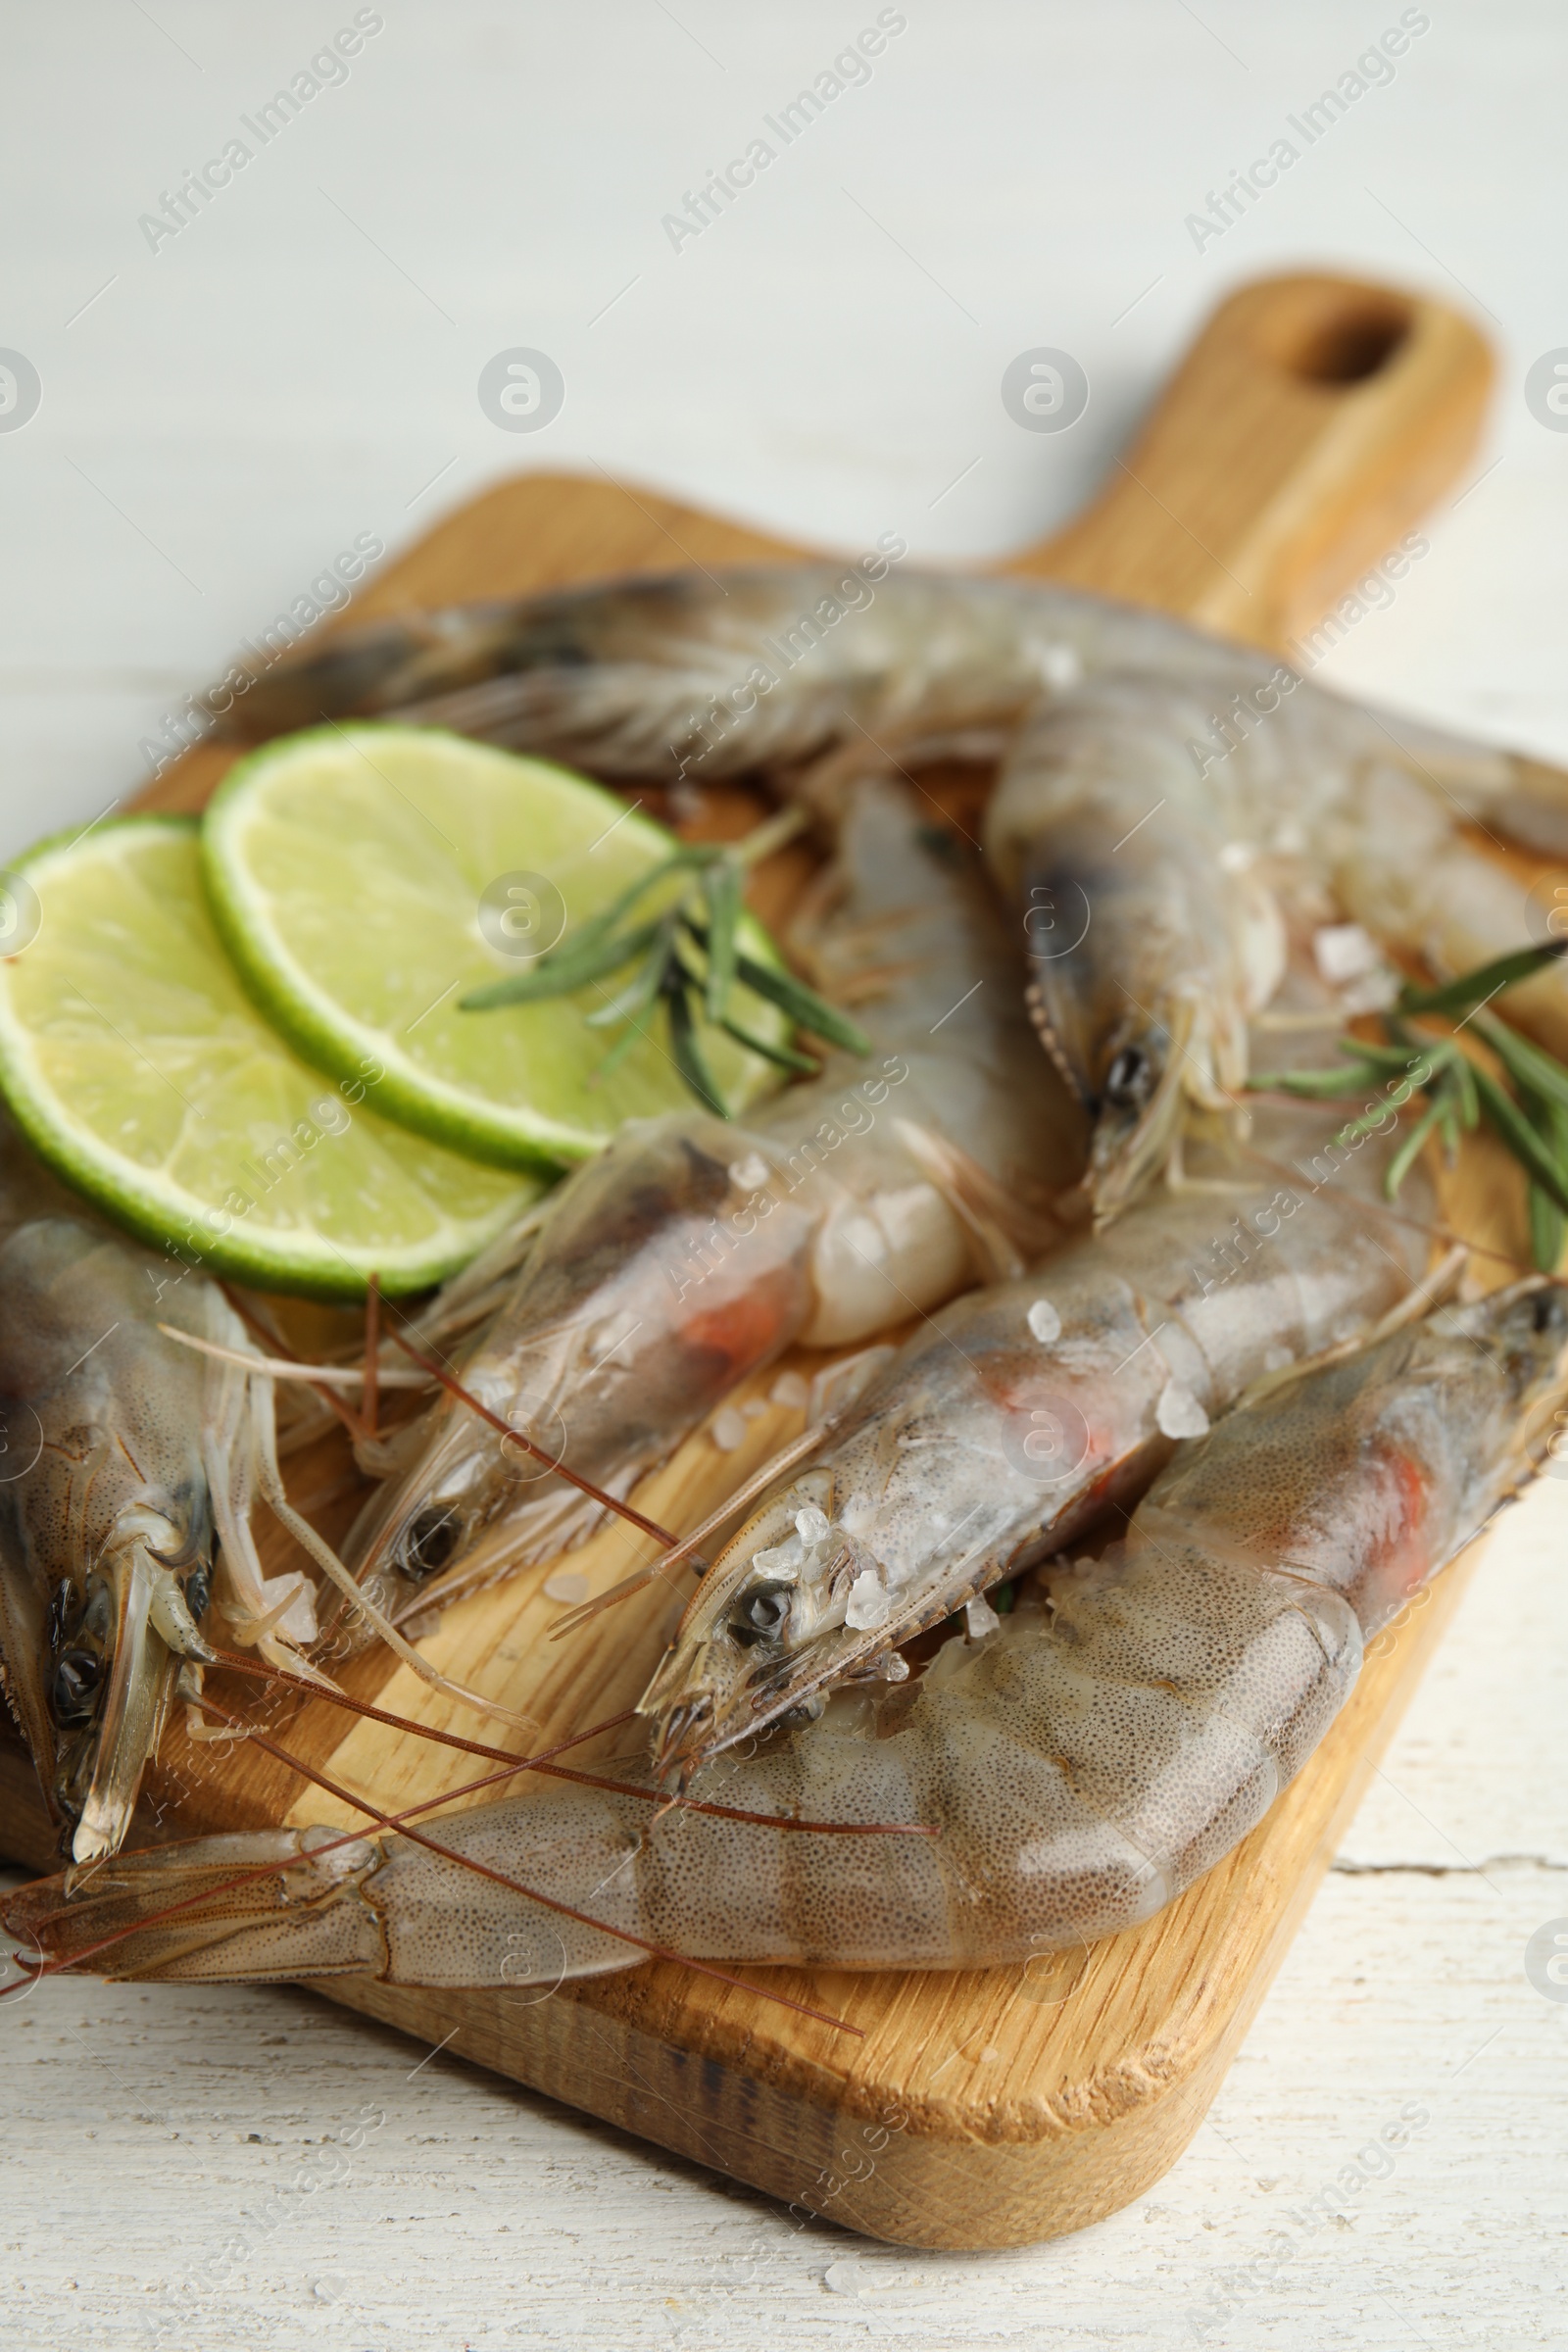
<point>219,417</point>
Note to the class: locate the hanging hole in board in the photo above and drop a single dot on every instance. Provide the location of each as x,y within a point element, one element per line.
<point>1342,343</point>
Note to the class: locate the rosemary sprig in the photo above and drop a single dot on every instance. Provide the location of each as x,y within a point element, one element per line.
<point>1531,1120</point>
<point>687,958</point>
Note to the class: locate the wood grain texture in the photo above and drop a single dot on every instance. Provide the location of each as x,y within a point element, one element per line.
<point>1307,428</point>
<point>1310,424</point>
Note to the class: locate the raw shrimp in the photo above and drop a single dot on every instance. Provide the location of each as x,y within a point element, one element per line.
<point>1158,760</point>
<point>716,673</point>
<point>125,1456</point>
<point>692,1251</point>
<point>1019,1414</point>
<point>130,1467</point>
<point>1403,869</point>
<point>1147,861</point>
<point>1083,1762</point>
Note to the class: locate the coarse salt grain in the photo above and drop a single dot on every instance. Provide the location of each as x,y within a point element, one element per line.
<point>1344,952</point>
<point>1179,1413</point>
<point>868,1604</point>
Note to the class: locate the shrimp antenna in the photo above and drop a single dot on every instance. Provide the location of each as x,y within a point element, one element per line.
<point>270,1479</point>
<point>273,1346</point>
<point>232,1663</point>
<point>761,1480</point>
<point>397,1822</point>
<point>676,1548</point>
<point>544,1762</point>
<point>584,1486</point>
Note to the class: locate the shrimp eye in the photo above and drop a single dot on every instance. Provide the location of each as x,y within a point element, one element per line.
<point>1130,1080</point>
<point>199,1591</point>
<point>73,1693</point>
<point>759,1616</point>
<point>430,1542</point>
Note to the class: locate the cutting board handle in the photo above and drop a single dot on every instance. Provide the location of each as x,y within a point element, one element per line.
<point>1313,421</point>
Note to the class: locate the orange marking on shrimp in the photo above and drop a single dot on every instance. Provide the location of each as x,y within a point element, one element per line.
<point>1392,1554</point>
<point>1410,1480</point>
<point>742,1329</point>
<point>1400,1544</point>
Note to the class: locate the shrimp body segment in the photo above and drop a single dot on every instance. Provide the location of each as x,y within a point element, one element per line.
<point>1084,1762</point>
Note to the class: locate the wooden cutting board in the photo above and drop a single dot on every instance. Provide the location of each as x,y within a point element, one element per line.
<point>1309,426</point>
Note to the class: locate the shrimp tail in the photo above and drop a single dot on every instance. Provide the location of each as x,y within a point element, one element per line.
<point>260,1906</point>
<point>384,666</point>
<point>268,1906</point>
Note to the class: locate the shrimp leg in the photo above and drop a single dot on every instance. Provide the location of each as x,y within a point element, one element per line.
<point>1084,1762</point>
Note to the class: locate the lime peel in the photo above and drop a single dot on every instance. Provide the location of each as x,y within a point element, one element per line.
<point>347,868</point>
<point>135,1064</point>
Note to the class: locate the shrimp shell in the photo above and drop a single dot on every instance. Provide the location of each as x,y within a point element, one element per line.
<point>721,673</point>
<point>1084,1762</point>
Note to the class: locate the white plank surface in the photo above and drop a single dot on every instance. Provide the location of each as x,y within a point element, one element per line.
<point>293,369</point>
<point>185,2161</point>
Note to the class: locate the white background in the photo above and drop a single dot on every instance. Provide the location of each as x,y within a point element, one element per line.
<point>218,418</point>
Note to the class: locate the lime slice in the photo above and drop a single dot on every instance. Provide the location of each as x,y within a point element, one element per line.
<point>366,879</point>
<point>137,1067</point>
